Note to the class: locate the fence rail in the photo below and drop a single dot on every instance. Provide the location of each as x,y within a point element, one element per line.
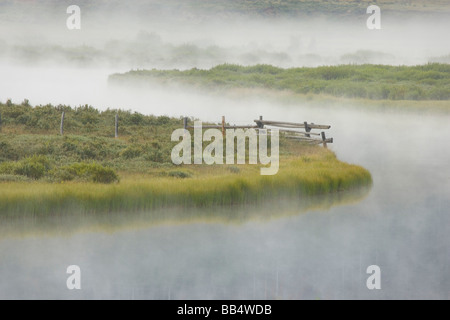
<point>292,124</point>
<point>291,130</point>
<point>301,131</point>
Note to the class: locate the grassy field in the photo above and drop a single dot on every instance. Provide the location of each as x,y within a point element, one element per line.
<point>89,171</point>
<point>374,82</point>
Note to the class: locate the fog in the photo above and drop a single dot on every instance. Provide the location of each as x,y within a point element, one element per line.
<point>128,39</point>
<point>41,60</point>
<point>402,225</point>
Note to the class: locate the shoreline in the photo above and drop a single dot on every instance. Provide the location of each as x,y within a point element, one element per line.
<point>298,176</point>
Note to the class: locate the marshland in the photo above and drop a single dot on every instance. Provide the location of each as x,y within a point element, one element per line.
<point>377,196</point>
<point>53,174</point>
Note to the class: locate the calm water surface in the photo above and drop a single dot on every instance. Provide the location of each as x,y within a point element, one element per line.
<point>403,226</point>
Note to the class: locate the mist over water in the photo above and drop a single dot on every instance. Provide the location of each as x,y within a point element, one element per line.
<point>403,225</point>
<point>44,62</point>
<point>124,39</point>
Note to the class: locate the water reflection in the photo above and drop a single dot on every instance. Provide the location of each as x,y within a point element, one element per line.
<point>267,251</point>
<point>71,223</point>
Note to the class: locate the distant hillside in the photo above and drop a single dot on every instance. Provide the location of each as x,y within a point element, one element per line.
<point>262,8</point>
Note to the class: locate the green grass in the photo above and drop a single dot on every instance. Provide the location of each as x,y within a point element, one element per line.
<point>374,82</point>
<point>316,174</point>
<point>88,171</point>
<point>144,141</point>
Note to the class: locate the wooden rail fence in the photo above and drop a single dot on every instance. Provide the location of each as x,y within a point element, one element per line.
<point>301,131</point>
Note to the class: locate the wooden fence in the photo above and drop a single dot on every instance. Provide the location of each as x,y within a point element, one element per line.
<point>301,131</point>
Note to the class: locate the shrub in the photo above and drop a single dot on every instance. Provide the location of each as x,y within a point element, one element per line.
<point>179,174</point>
<point>88,152</point>
<point>63,174</point>
<point>92,172</point>
<point>69,145</point>
<point>155,156</point>
<point>7,168</point>
<point>131,152</point>
<point>102,174</point>
<point>13,178</point>
<point>137,118</point>
<point>7,151</point>
<point>163,120</point>
<point>34,167</point>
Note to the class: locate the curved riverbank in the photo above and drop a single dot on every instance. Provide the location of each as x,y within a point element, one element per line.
<point>309,175</point>
<point>45,174</point>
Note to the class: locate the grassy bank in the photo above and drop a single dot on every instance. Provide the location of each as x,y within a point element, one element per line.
<point>303,176</point>
<point>375,82</point>
<point>89,171</point>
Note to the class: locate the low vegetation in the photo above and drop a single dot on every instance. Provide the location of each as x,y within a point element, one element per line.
<point>88,170</point>
<point>318,173</point>
<point>375,82</point>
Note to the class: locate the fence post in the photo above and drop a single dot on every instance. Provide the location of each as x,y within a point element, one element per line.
<point>185,123</point>
<point>324,140</point>
<point>307,129</point>
<point>61,129</point>
<point>223,126</point>
<point>259,124</point>
<point>116,131</point>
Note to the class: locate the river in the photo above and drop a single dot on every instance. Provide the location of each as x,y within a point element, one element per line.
<point>402,225</point>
